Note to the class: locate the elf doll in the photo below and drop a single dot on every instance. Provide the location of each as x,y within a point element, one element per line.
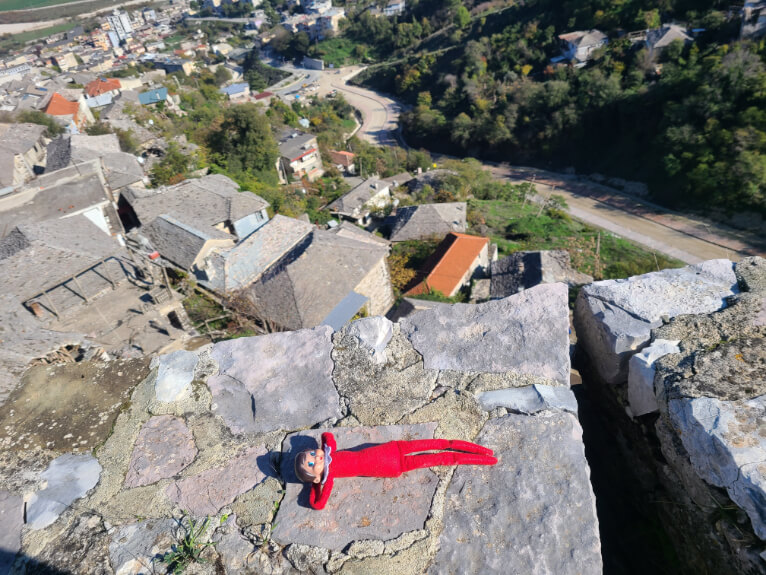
<point>321,466</point>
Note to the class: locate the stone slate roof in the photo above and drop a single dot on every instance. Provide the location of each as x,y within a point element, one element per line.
<point>199,203</point>
<point>244,263</point>
<point>54,195</point>
<point>20,138</point>
<point>428,220</point>
<point>357,197</point>
<point>302,289</point>
<point>662,37</point>
<point>584,37</point>
<point>41,255</point>
<point>354,232</point>
<point>177,242</point>
<point>523,270</point>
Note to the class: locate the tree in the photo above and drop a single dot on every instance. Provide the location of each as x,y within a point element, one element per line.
<point>222,75</point>
<point>462,17</point>
<point>173,168</point>
<point>244,142</point>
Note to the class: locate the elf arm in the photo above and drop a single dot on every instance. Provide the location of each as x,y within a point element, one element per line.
<point>319,494</point>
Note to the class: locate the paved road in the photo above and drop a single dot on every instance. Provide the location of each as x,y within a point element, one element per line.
<point>680,237</point>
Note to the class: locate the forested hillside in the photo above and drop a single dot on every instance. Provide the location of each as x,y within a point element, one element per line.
<point>690,119</point>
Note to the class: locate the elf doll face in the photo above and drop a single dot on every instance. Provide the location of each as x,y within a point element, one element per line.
<point>313,463</point>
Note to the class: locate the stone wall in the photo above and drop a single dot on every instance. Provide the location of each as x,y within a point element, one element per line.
<point>376,285</point>
<point>211,435</point>
<point>694,405</point>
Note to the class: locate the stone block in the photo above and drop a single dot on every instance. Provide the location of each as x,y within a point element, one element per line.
<point>529,399</point>
<point>174,375</point>
<point>533,512</point>
<point>360,508</point>
<point>205,493</point>
<point>727,447</point>
<point>164,447</point>
<point>67,478</point>
<point>525,333</point>
<point>235,551</point>
<point>374,333</point>
<point>614,318</point>
<point>276,381</point>
<point>641,370</point>
<point>136,548</point>
<point>11,522</point>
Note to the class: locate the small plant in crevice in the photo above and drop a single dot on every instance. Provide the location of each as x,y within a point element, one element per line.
<point>189,548</point>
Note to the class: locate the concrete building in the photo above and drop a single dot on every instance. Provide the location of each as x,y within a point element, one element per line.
<point>75,115</point>
<point>394,8</point>
<point>299,157</point>
<point>235,92</point>
<point>580,45</point>
<point>119,23</point>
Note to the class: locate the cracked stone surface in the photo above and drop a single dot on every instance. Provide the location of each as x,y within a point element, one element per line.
<point>11,522</point>
<point>276,381</point>
<point>641,370</point>
<point>614,318</point>
<point>67,478</point>
<point>175,372</point>
<point>533,512</point>
<point>205,493</point>
<point>235,551</point>
<point>135,548</point>
<point>397,505</point>
<point>726,442</point>
<point>69,407</point>
<point>374,333</point>
<point>164,447</point>
<point>380,393</point>
<point>525,333</point>
<point>530,399</point>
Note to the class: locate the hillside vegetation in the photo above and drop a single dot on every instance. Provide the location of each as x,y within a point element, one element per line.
<point>689,120</point>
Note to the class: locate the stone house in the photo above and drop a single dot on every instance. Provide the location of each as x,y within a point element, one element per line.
<point>427,221</point>
<point>457,260</point>
<point>299,157</point>
<point>75,115</point>
<point>22,147</point>
<point>235,92</point>
<point>343,160</point>
<point>101,86</point>
<point>580,45</point>
<point>186,222</point>
<point>661,38</point>
<point>394,8</point>
<point>326,280</point>
<point>372,194</point>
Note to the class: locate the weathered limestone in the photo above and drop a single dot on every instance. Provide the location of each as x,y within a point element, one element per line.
<point>726,442</point>
<point>136,547</point>
<point>235,551</point>
<point>205,493</point>
<point>641,371</point>
<point>524,333</point>
<point>530,399</point>
<point>374,333</point>
<point>11,522</point>
<point>175,372</point>
<point>614,318</point>
<point>164,447</point>
<point>262,381</point>
<point>533,512</point>
<point>360,507</point>
<point>69,407</point>
<point>68,478</point>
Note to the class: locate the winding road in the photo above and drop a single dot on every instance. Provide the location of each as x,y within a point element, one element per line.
<point>682,237</point>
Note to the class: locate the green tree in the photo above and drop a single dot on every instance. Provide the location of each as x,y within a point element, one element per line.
<point>244,142</point>
<point>173,168</point>
<point>462,17</point>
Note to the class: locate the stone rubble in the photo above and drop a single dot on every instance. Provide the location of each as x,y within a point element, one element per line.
<point>213,433</point>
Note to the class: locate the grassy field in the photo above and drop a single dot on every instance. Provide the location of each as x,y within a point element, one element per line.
<point>7,5</point>
<point>516,226</point>
<point>9,42</point>
<point>336,51</point>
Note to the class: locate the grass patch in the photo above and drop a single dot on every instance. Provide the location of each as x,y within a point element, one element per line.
<point>336,51</point>
<point>8,5</point>
<point>517,226</point>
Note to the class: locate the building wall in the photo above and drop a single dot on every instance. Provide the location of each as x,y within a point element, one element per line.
<point>478,268</point>
<point>376,285</point>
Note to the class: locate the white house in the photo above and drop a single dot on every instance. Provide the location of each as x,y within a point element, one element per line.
<point>580,45</point>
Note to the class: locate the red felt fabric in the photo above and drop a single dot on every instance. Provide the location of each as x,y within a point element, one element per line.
<point>394,458</point>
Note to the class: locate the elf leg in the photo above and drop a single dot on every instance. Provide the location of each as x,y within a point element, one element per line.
<point>416,445</point>
<point>410,462</point>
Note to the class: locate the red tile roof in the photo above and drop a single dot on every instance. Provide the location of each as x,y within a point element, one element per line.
<point>342,157</point>
<point>60,106</point>
<point>453,260</point>
<point>101,86</point>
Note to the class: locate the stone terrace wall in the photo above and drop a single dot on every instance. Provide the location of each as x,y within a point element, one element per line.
<point>213,433</point>
<point>696,387</point>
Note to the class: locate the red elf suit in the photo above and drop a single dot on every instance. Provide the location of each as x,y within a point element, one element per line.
<point>391,460</point>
